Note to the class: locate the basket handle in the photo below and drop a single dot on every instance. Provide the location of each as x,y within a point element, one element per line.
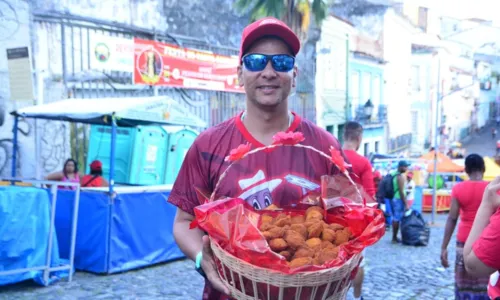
<point>282,139</point>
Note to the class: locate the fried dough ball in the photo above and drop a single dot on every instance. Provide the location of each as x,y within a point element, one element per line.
<point>286,254</point>
<point>272,207</point>
<point>282,220</point>
<point>266,219</point>
<point>298,219</point>
<point>266,226</point>
<point>303,252</point>
<point>315,230</point>
<point>326,255</point>
<point>328,235</point>
<point>278,245</point>
<point>316,208</point>
<point>336,227</point>
<point>326,245</point>
<point>274,233</point>
<point>342,236</point>
<point>300,262</point>
<point>310,223</point>
<point>313,243</point>
<point>294,239</point>
<point>314,215</point>
<point>300,228</point>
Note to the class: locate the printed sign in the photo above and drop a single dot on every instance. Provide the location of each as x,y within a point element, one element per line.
<point>111,53</point>
<point>20,75</point>
<point>168,65</point>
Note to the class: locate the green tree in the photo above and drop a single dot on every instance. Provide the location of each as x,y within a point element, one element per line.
<point>295,13</point>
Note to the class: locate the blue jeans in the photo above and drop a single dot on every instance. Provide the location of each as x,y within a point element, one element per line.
<point>398,209</point>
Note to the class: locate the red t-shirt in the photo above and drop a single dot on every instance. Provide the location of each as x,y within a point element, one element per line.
<point>487,249</point>
<point>362,170</point>
<point>282,176</point>
<point>87,181</point>
<point>469,195</point>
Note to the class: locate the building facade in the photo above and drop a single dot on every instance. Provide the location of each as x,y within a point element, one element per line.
<point>366,95</point>
<point>332,63</point>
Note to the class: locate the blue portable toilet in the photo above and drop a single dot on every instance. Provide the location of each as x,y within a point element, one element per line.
<point>100,148</point>
<point>149,159</point>
<point>179,141</point>
<point>139,156</point>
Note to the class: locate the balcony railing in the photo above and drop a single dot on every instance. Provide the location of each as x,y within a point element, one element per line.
<point>399,143</point>
<point>377,117</point>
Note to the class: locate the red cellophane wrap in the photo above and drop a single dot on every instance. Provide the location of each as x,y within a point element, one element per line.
<point>233,224</point>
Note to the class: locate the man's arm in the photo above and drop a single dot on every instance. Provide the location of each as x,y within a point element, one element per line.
<point>188,240</point>
<point>367,180</point>
<point>194,173</point>
<point>401,187</point>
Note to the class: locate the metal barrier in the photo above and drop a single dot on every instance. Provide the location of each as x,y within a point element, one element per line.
<point>47,268</point>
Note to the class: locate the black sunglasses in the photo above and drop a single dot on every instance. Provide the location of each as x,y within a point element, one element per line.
<point>256,62</point>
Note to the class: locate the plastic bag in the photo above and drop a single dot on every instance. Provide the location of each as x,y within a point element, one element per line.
<point>414,229</point>
<point>233,224</point>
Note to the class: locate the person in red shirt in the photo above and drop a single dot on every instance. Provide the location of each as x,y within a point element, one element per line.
<point>361,167</point>
<point>363,175</point>
<point>94,179</point>
<point>482,249</point>
<point>282,176</point>
<point>465,201</point>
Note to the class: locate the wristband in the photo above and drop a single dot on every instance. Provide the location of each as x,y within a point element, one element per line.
<point>199,257</point>
<point>198,267</point>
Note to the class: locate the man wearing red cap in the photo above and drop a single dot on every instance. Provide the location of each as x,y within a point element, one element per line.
<point>283,176</point>
<point>94,179</point>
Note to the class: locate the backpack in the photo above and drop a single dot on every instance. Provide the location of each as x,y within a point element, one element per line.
<point>386,186</point>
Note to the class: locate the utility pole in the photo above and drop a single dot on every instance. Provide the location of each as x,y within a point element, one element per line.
<point>438,101</point>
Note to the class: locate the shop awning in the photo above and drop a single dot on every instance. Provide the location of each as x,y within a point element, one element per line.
<point>160,110</point>
<point>492,169</point>
<point>444,163</point>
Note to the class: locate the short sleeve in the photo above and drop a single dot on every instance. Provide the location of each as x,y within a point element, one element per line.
<point>194,174</point>
<point>487,247</point>
<point>367,179</point>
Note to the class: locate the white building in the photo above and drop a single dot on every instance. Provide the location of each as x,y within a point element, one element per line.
<point>331,74</point>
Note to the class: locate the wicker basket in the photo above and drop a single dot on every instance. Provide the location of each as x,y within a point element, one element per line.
<point>330,284</point>
<point>246,281</point>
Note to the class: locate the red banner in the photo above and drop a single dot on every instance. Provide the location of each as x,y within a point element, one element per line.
<point>168,65</point>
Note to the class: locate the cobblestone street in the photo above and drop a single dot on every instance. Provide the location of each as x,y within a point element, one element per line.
<point>393,272</point>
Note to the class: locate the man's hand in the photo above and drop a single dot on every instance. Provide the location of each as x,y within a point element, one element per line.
<point>210,269</point>
<point>444,258</point>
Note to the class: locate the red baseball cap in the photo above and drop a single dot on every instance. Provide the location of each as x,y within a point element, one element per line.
<point>268,26</point>
<point>96,165</point>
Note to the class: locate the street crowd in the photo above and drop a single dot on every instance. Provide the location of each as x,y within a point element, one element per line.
<point>268,73</point>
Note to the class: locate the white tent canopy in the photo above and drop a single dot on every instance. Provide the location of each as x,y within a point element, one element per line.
<point>128,111</point>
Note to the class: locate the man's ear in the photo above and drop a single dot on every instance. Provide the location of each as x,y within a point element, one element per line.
<point>240,75</point>
<point>295,72</point>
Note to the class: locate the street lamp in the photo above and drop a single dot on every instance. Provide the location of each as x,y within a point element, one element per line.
<point>368,109</point>
<point>439,99</point>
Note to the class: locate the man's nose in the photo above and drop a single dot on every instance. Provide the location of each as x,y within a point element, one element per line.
<point>269,71</point>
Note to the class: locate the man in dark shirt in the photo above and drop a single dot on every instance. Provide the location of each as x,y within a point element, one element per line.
<point>282,177</point>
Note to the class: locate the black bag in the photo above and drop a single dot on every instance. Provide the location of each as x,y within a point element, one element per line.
<point>414,230</point>
<point>386,187</point>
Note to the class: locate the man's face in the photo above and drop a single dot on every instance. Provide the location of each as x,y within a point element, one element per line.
<point>267,88</point>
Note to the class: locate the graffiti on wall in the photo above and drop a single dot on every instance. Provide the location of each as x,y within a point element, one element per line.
<point>24,129</point>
